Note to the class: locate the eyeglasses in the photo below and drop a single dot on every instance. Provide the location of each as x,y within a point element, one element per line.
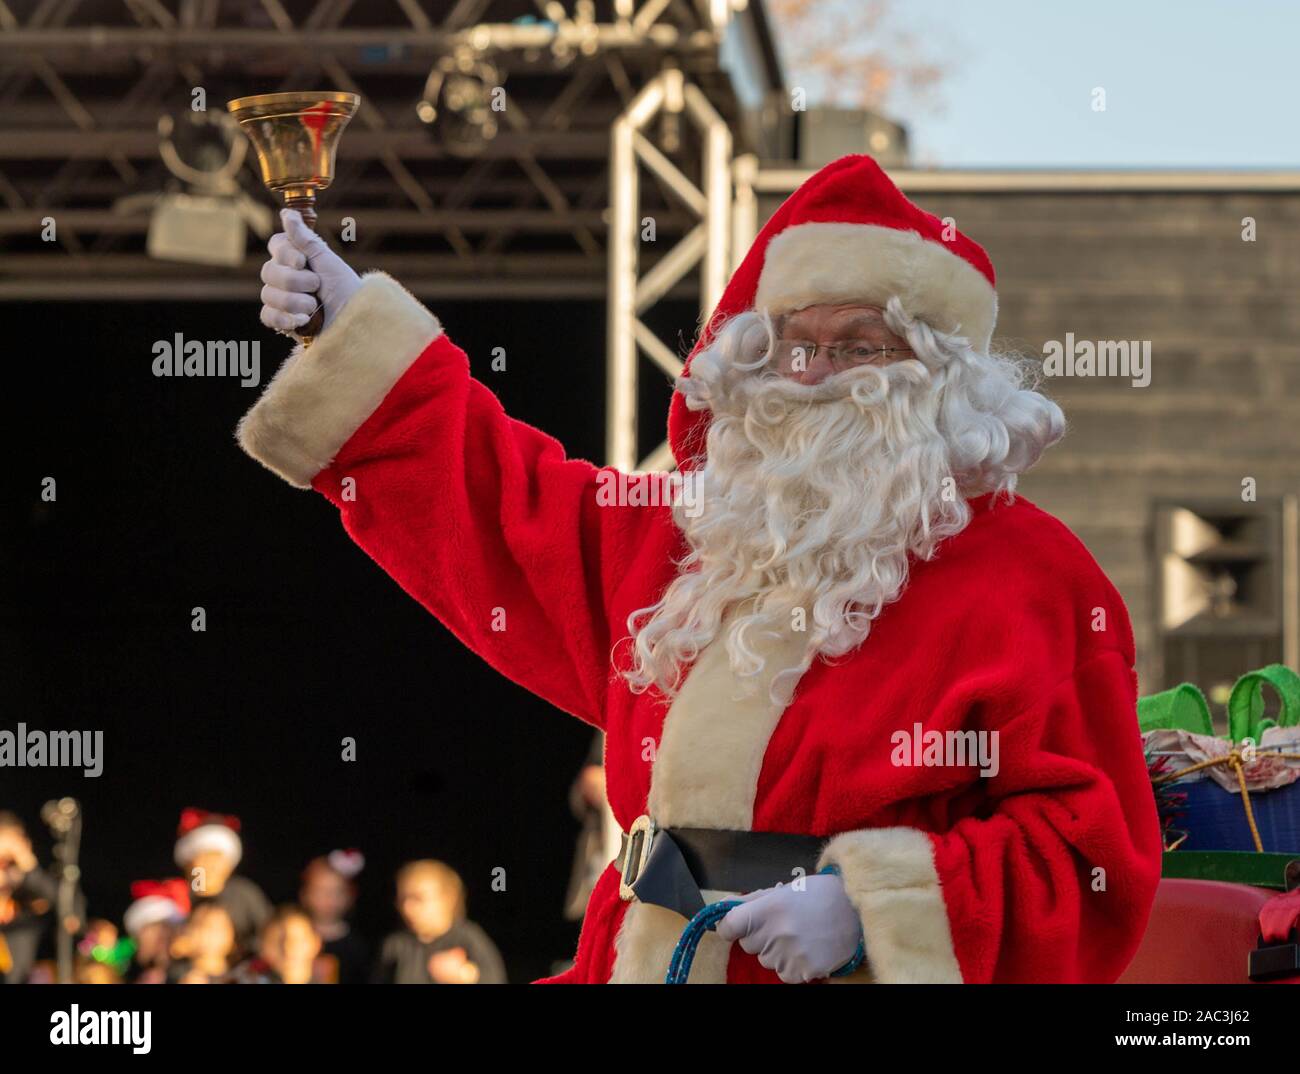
<point>841,356</point>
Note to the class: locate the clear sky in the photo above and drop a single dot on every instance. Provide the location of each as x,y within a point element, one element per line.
<point>1188,83</point>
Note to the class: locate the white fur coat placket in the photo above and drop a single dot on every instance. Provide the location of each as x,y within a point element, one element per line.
<point>705,776</point>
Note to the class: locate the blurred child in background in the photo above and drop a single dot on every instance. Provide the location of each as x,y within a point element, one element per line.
<point>208,849</point>
<point>204,949</point>
<point>439,944</point>
<point>103,955</point>
<point>328,893</point>
<point>157,910</point>
<point>27,898</point>
<point>290,945</point>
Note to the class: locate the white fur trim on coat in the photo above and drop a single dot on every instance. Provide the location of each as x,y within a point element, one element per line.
<point>208,837</point>
<point>324,393</point>
<point>715,737</point>
<point>705,775</point>
<point>890,878</point>
<point>647,937</point>
<point>816,263</point>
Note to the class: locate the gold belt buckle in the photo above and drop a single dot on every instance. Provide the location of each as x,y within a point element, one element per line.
<point>636,852</point>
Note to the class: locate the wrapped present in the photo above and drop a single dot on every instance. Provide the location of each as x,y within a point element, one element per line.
<point>1239,793</point>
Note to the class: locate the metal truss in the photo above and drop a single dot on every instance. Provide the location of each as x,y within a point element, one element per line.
<point>84,83</point>
<point>707,245</point>
<point>548,207</point>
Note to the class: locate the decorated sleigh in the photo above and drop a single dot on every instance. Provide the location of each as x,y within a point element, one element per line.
<point>1228,906</point>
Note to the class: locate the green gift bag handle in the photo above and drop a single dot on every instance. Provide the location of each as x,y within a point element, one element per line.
<point>1184,708</point>
<point>1246,702</point>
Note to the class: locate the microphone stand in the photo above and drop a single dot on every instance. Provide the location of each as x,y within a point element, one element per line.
<point>63,818</point>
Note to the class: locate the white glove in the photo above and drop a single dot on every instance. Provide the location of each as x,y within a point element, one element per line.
<point>302,270</point>
<point>803,935</point>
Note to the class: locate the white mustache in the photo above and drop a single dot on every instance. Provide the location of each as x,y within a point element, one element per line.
<point>867,385</point>
<point>769,397</point>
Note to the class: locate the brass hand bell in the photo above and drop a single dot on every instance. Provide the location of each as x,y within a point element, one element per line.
<point>295,136</point>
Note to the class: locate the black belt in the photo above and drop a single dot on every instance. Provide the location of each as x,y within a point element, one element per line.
<point>671,866</point>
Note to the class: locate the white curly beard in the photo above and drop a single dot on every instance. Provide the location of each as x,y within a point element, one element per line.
<point>813,498</point>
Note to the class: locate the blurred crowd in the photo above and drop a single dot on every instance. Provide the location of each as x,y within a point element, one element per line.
<point>211,925</point>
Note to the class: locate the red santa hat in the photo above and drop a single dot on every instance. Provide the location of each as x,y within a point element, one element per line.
<point>201,831</point>
<point>849,235</point>
<point>155,901</point>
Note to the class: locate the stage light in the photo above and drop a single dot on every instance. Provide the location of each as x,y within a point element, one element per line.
<point>206,222</point>
<point>460,103</point>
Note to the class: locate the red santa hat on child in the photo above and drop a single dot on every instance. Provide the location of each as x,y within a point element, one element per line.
<point>849,235</point>
<point>201,831</point>
<point>155,901</point>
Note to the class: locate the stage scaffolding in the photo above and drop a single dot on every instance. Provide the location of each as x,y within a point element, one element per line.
<point>616,116</point>
<point>627,117</point>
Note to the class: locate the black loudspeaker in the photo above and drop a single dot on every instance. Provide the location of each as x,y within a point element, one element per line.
<point>1226,591</point>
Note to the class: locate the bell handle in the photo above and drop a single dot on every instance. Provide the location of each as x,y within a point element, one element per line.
<point>306,206</point>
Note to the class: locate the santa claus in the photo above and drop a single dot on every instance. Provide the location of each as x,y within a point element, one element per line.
<point>866,711</point>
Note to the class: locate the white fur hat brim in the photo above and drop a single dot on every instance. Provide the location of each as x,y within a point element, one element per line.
<point>834,263</point>
<point>209,837</point>
<point>149,911</point>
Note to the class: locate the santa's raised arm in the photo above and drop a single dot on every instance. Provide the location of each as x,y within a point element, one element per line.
<point>855,681</point>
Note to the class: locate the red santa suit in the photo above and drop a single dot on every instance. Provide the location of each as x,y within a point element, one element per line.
<point>1043,872</point>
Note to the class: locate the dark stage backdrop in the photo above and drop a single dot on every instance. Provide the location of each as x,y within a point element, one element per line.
<point>307,641</point>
